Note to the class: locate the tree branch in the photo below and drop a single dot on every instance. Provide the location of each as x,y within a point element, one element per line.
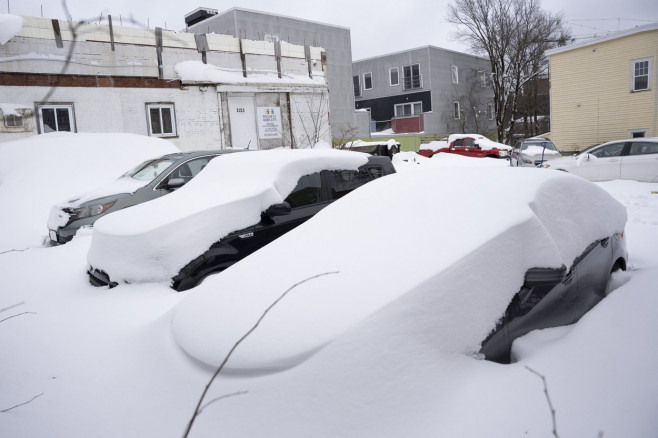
<point>21,404</point>
<point>219,369</point>
<point>548,399</point>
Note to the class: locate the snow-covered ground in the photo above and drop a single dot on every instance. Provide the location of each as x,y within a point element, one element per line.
<point>104,363</point>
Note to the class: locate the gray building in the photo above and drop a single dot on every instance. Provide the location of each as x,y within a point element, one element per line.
<point>428,89</point>
<point>335,40</point>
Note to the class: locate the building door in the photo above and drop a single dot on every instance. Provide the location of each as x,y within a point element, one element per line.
<point>242,119</point>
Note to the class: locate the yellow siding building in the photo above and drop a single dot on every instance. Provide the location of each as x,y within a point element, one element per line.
<point>604,89</point>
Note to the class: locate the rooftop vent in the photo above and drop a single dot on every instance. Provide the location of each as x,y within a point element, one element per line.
<point>198,15</point>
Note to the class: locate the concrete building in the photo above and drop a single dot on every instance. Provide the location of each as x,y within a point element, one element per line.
<point>335,40</point>
<point>604,89</point>
<point>425,90</point>
<point>198,91</point>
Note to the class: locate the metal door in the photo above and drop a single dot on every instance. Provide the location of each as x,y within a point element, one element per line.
<point>242,119</point>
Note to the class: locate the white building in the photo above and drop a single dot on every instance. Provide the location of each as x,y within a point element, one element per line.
<point>199,91</point>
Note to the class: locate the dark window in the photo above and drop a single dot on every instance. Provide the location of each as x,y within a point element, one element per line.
<point>412,77</point>
<point>357,85</point>
<point>640,75</point>
<point>643,148</point>
<point>395,76</point>
<point>367,81</point>
<point>344,181</point>
<point>55,118</point>
<point>459,143</point>
<point>161,120</point>
<point>611,150</point>
<point>307,192</point>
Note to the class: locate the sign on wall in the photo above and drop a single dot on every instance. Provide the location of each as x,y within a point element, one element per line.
<point>269,122</point>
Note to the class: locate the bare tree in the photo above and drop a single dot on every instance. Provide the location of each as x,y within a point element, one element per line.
<point>514,34</point>
<point>312,112</point>
<point>347,134</point>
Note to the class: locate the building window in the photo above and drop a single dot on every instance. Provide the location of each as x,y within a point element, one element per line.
<point>367,81</point>
<point>408,109</point>
<point>455,74</point>
<point>412,78</point>
<point>490,111</point>
<point>394,75</point>
<point>56,118</point>
<point>637,133</point>
<point>455,110</point>
<point>162,120</point>
<point>13,120</point>
<point>641,74</point>
<point>357,85</point>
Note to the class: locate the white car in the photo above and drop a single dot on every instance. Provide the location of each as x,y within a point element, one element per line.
<point>633,158</point>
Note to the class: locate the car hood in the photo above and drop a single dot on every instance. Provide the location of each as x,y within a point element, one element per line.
<point>374,276</point>
<point>154,240</point>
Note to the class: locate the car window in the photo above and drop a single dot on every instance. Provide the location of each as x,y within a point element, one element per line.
<point>458,143</point>
<point>643,148</point>
<point>611,150</point>
<point>308,191</point>
<point>468,142</point>
<point>344,181</point>
<point>152,169</point>
<point>186,170</point>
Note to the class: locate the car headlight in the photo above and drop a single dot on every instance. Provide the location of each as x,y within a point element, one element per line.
<point>93,210</point>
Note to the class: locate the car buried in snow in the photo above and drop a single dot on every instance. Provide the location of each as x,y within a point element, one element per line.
<point>489,270</point>
<point>384,148</point>
<point>234,207</point>
<point>468,145</point>
<point>533,152</point>
<point>149,180</point>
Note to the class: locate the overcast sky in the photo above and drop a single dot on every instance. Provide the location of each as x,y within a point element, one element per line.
<point>377,26</point>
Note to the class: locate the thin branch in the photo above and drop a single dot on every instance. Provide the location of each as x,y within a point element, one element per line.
<point>548,399</point>
<point>12,306</point>
<point>219,369</point>
<point>21,404</point>
<point>14,250</point>
<point>221,397</point>
<point>18,314</point>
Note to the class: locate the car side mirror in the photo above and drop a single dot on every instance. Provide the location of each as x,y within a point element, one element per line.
<point>175,183</point>
<point>281,209</point>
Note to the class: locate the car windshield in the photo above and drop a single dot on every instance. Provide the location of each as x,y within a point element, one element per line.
<point>539,143</point>
<point>149,170</point>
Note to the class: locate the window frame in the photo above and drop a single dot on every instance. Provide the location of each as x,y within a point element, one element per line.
<point>634,77</point>
<point>366,77</point>
<point>411,105</point>
<point>390,76</point>
<point>11,120</point>
<point>411,76</point>
<point>55,106</point>
<point>454,74</point>
<point>159,106</point>
<point>456,110</point>
<point>644,132</point>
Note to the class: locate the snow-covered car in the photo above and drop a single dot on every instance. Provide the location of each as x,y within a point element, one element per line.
<point>469,145</point>
<point>533,152</point>
<point>238,204</point>
<point>633,158</point>
<point>149,180</point>
<point>388,147</point>
<point>489,270</point>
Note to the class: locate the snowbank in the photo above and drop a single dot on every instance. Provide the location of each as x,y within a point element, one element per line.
<point>197,71</point>
<point>153,241</point>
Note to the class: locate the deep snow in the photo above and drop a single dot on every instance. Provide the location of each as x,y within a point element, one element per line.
<point>104,363</point>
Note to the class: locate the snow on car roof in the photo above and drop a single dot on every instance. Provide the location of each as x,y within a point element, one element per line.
<point>154,240</point>
<point>361,143</point>
<point>440,281</point>
<point>481,140</point>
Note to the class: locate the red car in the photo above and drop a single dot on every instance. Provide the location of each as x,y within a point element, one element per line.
<point>470,145</point>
